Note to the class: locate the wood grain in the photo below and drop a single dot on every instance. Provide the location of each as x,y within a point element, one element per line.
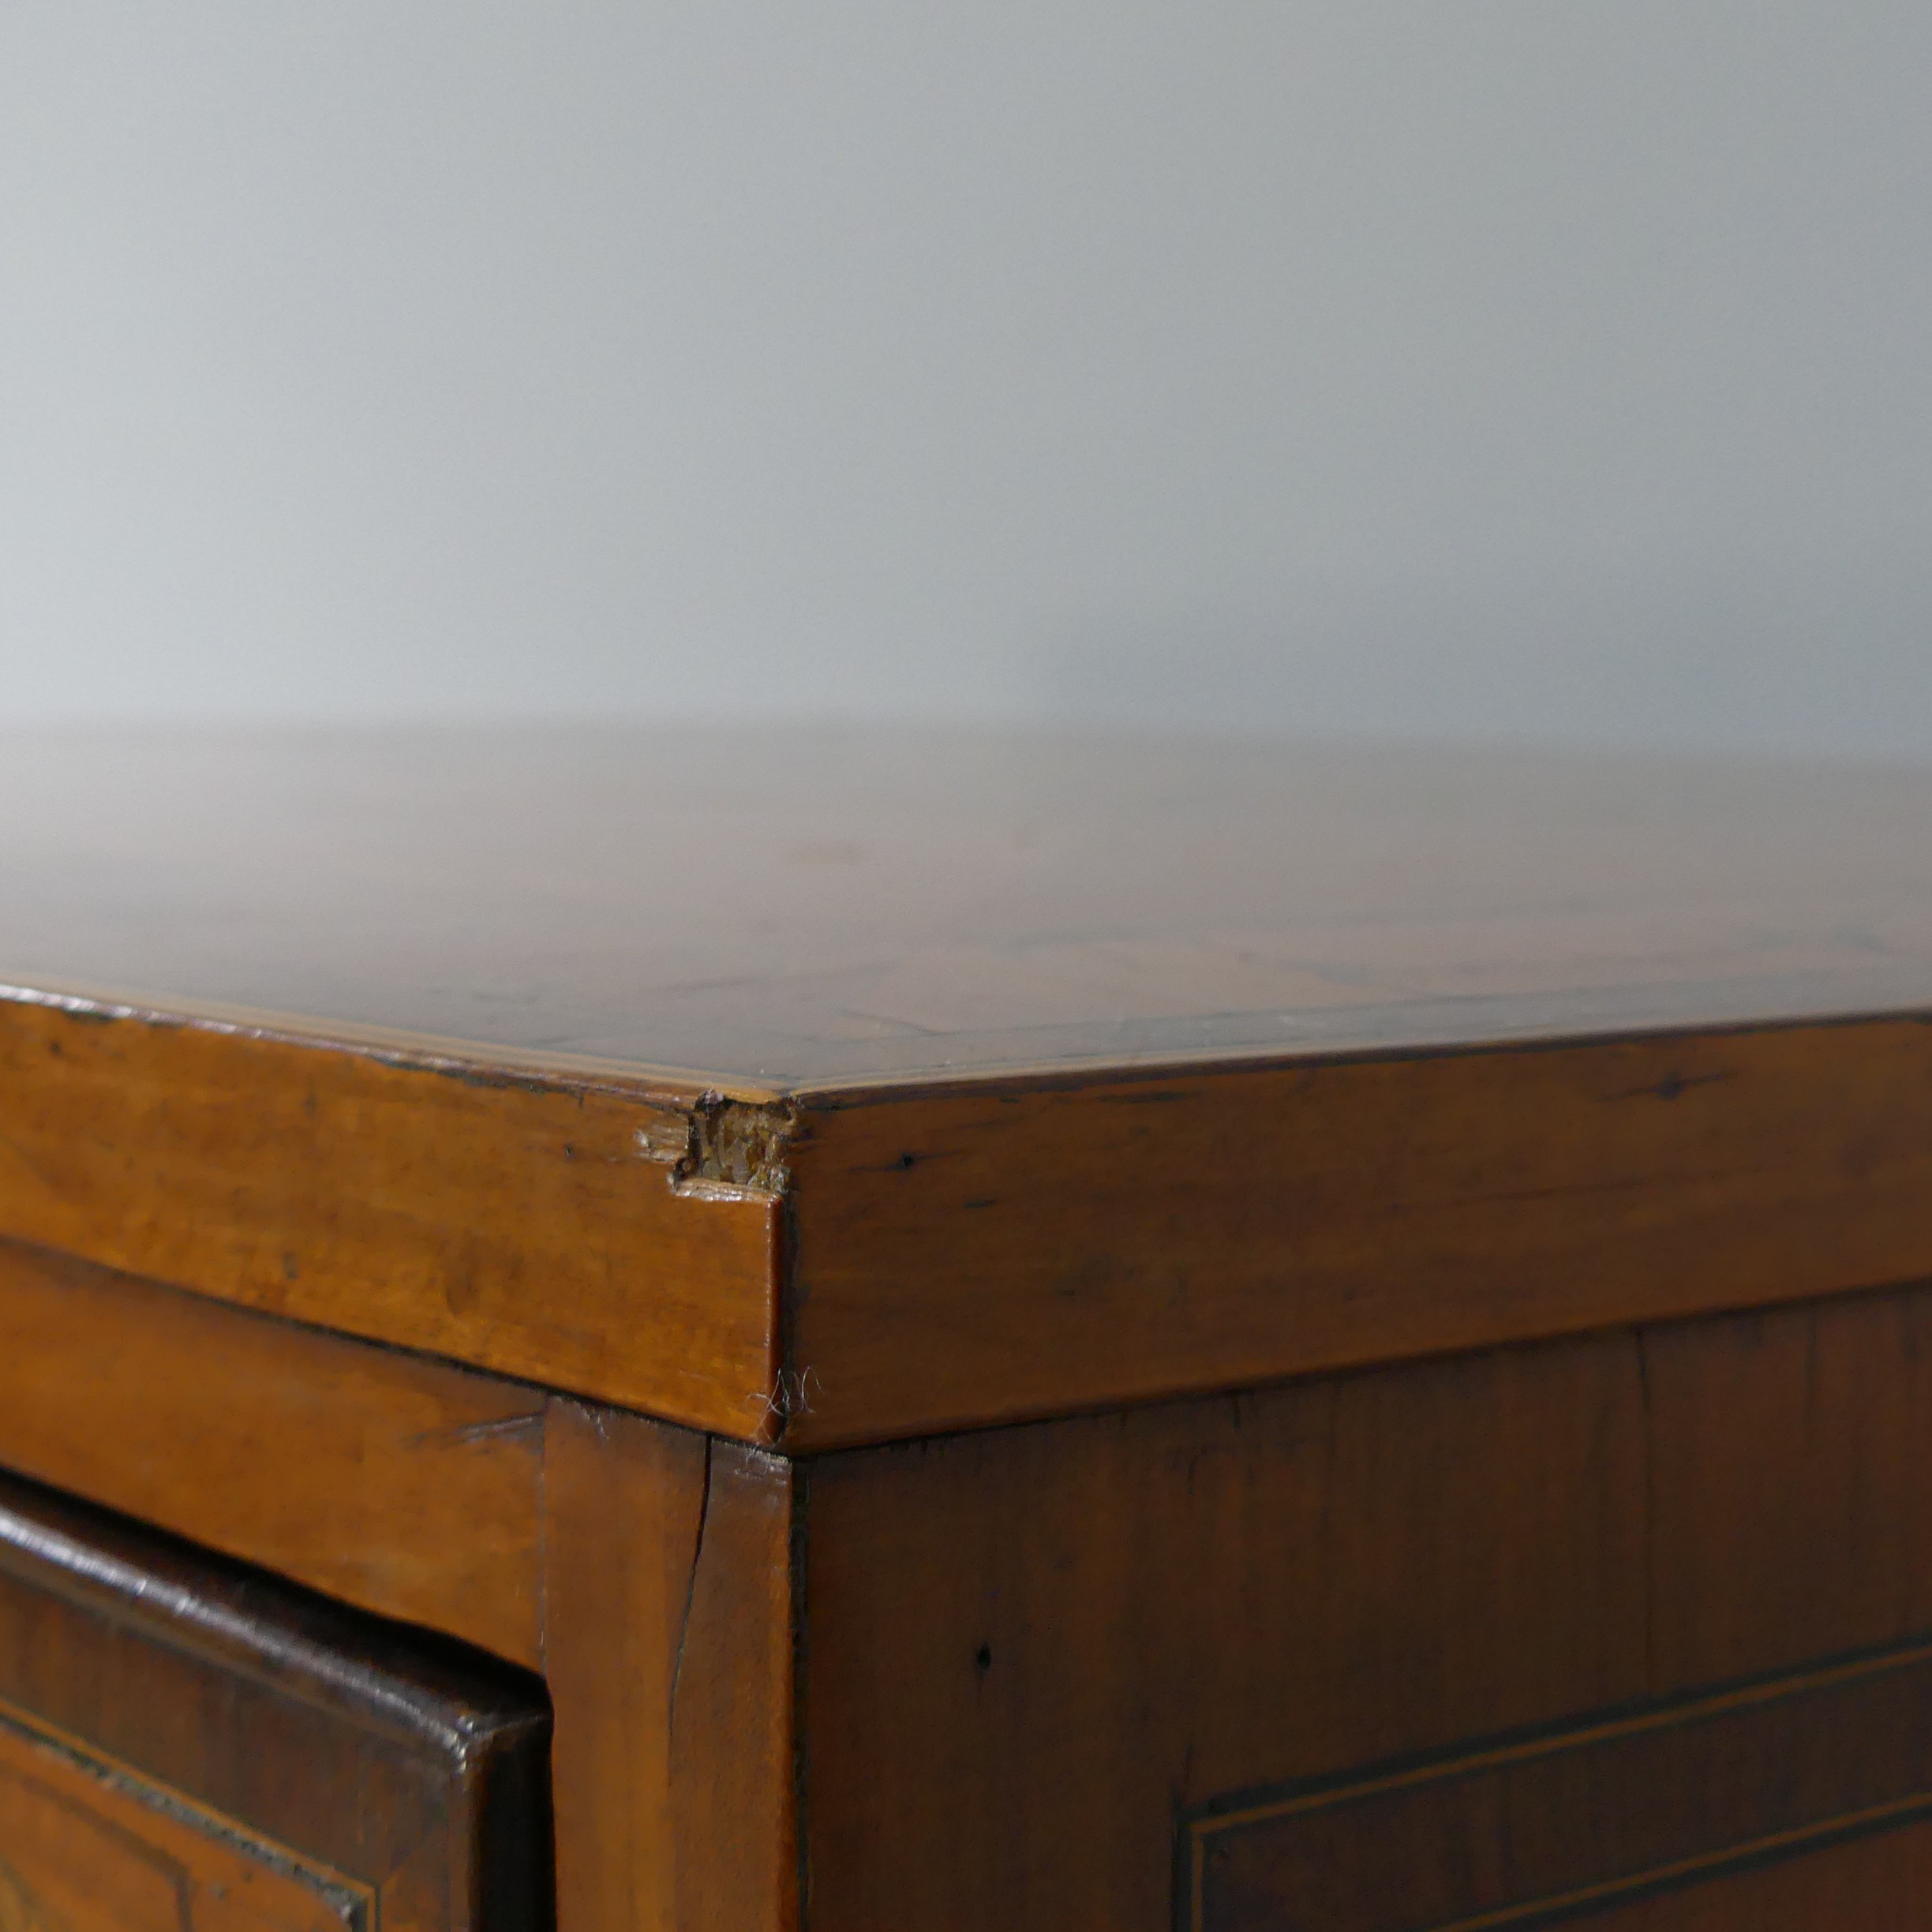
<point>1031,1649</point>
<point>186,1744</point>
<point>645,1568</point>
<point>1024,1650</point>
<point>817,910</point>
<point>982,1254</point>
<point>1793,1498</point>
<point>625,1498</point>
<point>835,1102</point>
<point>1655,1798</point>
<point>1870,1884</point>
<point>399,1484</point>
<point>1106,1240</point>
<point>826,1089</point>
<point>670,1642</point>
<point>733,1762</point>
<point>86,1847</point>
<point>521,1224</point>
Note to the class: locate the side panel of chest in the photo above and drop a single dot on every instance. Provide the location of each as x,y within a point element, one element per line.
<point>1042,1663</point>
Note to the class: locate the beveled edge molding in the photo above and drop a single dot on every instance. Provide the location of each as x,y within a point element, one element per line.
<point>623,1244</point>
<point>814,1275</point>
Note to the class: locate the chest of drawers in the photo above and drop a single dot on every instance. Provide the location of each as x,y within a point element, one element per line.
<point>781,1331</point>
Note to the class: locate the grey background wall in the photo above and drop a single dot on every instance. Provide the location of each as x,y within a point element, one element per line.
<point>1462,367</point>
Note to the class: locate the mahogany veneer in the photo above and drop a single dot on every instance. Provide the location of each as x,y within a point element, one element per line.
<point>978,1332</point>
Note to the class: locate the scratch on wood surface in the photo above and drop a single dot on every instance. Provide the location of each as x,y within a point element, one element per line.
<point>1674,1085</point>
<point>690,1587</point>
<point>458,1433</point>
<point>49,1178</point>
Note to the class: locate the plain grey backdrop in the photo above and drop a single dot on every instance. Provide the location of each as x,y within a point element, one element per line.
<point>1557,369</point>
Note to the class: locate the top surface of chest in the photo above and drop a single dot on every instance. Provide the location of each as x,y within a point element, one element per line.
<point>819,1087</point>
<point>807,911</point>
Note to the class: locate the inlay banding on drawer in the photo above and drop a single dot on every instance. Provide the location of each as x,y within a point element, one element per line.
<point>1523,1832</point>
<point>188,1746</point>
<point>84,1841</point>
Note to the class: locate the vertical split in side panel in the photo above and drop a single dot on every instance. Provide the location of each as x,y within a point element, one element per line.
<point>667,1609</point>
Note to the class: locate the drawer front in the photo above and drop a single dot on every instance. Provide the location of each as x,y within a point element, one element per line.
<point>186,1746</point>
<point>1765,1803</point>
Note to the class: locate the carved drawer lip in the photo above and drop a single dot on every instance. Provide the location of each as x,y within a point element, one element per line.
<point>253,1622</point>
<point>381,1767</point>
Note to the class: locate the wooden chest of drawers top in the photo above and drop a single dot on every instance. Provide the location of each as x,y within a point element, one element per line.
<point>820,1088</point>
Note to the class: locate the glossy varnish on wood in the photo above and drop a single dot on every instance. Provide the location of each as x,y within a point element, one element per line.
<point>1676,1793</point>
<point>1510,1601</point>
<point>645,1068</point>
<point>646,1570</point>
<point>671,1644</point>
<point>1127,1239</point>
<point>1105,1240</point>
<point>795,912</point>
<point>527,1226</point>
<point>399,1485</point>
<point>184,1746</point>
<point>998,1677</point>
<point>1004,1326</point>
